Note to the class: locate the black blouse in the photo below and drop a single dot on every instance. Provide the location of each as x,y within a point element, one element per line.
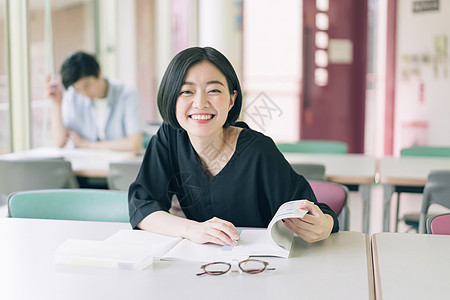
<point>246,192</point>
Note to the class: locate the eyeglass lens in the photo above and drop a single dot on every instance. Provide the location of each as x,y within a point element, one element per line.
<point>250,266</point>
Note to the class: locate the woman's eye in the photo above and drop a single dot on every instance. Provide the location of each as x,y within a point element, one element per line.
<point>215,91</point>
<point>185,92</point>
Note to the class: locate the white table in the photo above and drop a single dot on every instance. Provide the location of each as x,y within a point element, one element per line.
<point>349,169</point>
<point>411,266</point>
<point>337,268</point>
<point>85,162</point>
<point>405,171</point>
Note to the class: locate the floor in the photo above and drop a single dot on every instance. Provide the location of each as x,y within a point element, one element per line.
<point>409,203</point>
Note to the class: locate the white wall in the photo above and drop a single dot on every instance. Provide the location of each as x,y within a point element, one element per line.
<point>422,77</point>
<point>272,66</point>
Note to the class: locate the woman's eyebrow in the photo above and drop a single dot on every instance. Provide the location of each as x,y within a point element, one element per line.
<point>209,82</point>
<point>215,82</point>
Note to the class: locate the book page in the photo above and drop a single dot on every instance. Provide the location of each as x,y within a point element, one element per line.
<point>278,232</point>
<point>256,242</point>
<point>160,244</point>
<point>171,248</point>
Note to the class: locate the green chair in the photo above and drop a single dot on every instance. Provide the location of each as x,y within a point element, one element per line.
<point>412,219</point>
<point>426,151</point>
<point>70,204</point>
<point>314,146</point>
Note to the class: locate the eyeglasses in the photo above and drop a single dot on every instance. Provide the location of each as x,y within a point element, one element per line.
<point>249,266</point>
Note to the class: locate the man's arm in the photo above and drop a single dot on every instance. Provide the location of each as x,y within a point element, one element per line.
<point>59,131</point>
<point>132,143</point>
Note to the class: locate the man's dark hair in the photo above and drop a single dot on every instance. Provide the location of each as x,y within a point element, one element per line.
<point>77,66</point>
<point>173,78</point>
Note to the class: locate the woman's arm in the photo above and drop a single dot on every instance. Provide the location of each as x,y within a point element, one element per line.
<point>283,184</point>
<point>314,226</point>
<point>149,199</point>
<point>215,230</point>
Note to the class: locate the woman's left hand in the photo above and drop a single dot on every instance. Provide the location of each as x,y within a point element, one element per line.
<point>314,226</point>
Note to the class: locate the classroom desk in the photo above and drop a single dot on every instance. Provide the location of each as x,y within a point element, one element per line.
<point>411,266</point>
<point>348,169</point>
<point>85,162</point>
<point>405,171</point>
<point>337,268</point>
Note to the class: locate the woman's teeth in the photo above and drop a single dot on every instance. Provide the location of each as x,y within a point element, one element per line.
<point>201,117</point>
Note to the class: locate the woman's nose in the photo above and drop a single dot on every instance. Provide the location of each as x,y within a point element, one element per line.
<point>200,101</point>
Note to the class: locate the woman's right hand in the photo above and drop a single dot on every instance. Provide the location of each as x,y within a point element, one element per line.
<point>215,230</point>
<point>53,91</point>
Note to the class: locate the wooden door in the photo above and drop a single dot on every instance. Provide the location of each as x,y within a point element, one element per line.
<point>334,71</point>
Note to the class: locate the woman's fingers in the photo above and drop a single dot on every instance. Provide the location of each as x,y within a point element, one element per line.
<point>314,226</point>
<point>215,231</point>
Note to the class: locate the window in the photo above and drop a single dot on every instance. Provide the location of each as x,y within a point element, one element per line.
<point>5,140</point>
<point>72,29</point>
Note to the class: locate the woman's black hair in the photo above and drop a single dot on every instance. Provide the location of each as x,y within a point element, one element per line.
<point>173,78</point>
<point>77,66</point>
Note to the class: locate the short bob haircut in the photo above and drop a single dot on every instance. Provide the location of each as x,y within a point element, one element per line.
<point>77,66</point>
<point>173,78</point>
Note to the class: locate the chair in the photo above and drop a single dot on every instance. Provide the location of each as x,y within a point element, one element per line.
<point>70,204</point>
<point>439,224</point>
<point>122,174</point>
<point>437,190</point>
<point>335,195</point>
<point>32,174</point>
<point>314,146</point>
<point>310,171</point>
<point>428,151</point>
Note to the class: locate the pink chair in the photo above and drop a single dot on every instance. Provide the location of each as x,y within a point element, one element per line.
<point>335,195</point>
<point>439,224</point>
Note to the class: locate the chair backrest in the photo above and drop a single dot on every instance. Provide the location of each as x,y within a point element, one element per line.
<point>439,224</point>
<point>314,146</point>
<point>426,151</point>
<point>122,174</point>
<point>70,204</point>
<point>437,190</point>
<point>310,171</point>
<point>335,195</point>
<point>33,174</point>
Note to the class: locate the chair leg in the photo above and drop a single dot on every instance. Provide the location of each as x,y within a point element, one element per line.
<point>397,212</point>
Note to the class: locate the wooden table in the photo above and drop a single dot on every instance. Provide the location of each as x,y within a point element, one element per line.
<point>348,169</point>
<point>411,266</point>
<point>406,172</point>
<point>337,268</point>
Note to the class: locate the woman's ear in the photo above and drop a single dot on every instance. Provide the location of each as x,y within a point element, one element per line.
<point>232,99</point>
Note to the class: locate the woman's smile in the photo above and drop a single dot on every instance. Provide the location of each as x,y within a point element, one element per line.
<point>201,117</point>
<point>204,101</point>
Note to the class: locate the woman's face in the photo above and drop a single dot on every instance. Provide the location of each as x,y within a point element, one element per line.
<point>204,100</point>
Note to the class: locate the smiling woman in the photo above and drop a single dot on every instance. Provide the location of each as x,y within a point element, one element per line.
<point>204,102</point>
<point>204,156</point>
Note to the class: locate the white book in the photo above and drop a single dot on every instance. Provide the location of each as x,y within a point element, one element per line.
<point>136,249</point>
<point>92,253</point>
<point>276,240</point>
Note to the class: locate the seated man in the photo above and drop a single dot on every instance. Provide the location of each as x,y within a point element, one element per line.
<point>94,112</point>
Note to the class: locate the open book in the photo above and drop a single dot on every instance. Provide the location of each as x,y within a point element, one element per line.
<point>136,249</point>
<point>276,240</point>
